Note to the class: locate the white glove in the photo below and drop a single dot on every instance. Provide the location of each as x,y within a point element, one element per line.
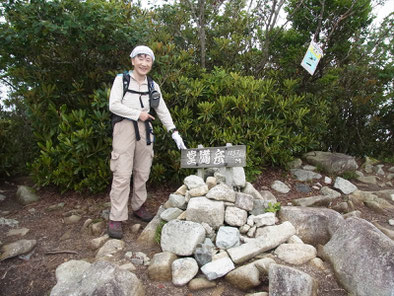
<point>178,140</point>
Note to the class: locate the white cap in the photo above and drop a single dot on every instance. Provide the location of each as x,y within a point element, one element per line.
<point>142,49</point>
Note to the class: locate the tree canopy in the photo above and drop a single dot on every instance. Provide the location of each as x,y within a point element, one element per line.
<point>229,71</point>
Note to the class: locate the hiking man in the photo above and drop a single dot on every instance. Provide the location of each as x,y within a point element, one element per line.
<point>132,146</point>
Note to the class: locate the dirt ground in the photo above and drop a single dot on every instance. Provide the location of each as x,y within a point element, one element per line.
<point>34,274</point>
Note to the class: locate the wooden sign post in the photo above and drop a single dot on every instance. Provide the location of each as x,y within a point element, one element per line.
<point>214,157</point>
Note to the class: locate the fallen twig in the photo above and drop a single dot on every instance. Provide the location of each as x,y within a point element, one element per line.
<point>61,252</point>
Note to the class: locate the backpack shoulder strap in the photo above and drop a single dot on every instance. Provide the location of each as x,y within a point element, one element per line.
<point>126,82</point>
<point>151,84</point>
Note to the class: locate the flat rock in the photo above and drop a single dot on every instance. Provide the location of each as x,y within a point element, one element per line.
<point>20,231</point>
<point>266,239</point>
<point>17,248</point>
<point>221,192</point>
<point>170,214</point>
<point>362,258</point>
<point>202,209</point>
<point>217,268</point>
<point>100,278</point>
<point>295,254</point>
<point>344,185</point>
<point>305,175</point>
<point>110,248</point>
<point>280,186</point>
<point>314,201</point>
<point>332,163</point>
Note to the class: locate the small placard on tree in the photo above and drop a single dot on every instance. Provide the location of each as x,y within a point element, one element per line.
<point>208,157</point>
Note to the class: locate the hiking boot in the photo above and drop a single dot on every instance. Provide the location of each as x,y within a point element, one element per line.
<point>115,229</point>
<point>143,214</point>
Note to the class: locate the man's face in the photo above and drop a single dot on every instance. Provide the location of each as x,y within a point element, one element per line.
<point>142,64</point>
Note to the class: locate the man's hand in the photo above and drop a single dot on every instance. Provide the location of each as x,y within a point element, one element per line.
<point>144,116</point>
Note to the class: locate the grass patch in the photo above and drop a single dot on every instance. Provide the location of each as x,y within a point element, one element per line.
<point>158,231</point>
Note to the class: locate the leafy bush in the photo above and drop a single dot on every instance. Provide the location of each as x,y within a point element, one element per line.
<point>79,160</point>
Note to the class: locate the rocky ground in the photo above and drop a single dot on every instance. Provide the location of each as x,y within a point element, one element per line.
<point>60,240</point>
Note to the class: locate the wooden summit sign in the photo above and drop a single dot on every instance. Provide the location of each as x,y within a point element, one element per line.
<point>209,157</point>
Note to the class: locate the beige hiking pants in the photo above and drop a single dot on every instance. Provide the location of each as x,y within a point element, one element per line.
<point>128,157</point>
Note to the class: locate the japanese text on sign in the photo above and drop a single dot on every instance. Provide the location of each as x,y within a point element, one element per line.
<point>229,156</point>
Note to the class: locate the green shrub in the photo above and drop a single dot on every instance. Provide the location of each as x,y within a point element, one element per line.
<point>80,159</point>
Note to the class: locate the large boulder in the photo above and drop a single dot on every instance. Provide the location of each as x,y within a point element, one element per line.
<point>313,225</point>
<point>181,237</point>
<point>362,258</point>
<point>333,163</point>
<point>284,280</point>
<point>202,209</point>
<point>100,278</point>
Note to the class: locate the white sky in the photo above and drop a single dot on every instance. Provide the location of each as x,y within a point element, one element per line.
<point>381,14</point>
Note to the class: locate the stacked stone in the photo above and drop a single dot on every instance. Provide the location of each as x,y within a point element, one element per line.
<point>224,233</point>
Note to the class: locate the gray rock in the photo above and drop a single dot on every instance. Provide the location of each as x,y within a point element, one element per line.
<point>362,258</point>
<point>160,267</point>
<point>249,189</point>
<point>344,185</point>
<point>193,181</point>
<point>200,284</point>
<point>332,163</point>
<point>177,201</point>
<point>100,278</point>
<point>217,268</point>
<point>309,167</point>
<point>327,180</point>
<point>294,240</point>
<point>183,271</point>
<point>227,237</point>
<point>8,222</point>
<point>235,216</point>
<point>20,231</point>
<point>26,195</point>
<point>387,194</point>
<point>71,270</point>
<point>295,254</point>
<point>314,225</point>
<point>2,197</point>
<point>147,236</point>
<point>244,201</point>
<point>391,222</point>
<point>379,169</point>
<point>252,231</point>
<point>201,209</point>
<point>17,248</point>
<point>264,264</point>
<point>303,188</point>
<point>110,248</point>
<point>294,164</point>
<point>284,280</point>
<point>314,201</point>
<point>96,243</point>
<point>211,182</point>
<point>264,219</point>
<point>204,252</point>
<point>352,214</point>
<point>368,179</point>
<point>72,219</point>
<point>244,277</point>
<point>330,192</point>
<point>181,190</point>
<point>266,239</point>
<point>280,186</point>
<point>244,229</point>
<point>181,237</point>
<point>268,196</point>
<point>199,191</point>
<point>304,175</point>
<point>170,214</point>
<point>221,192</point>
<point>259,206</point>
